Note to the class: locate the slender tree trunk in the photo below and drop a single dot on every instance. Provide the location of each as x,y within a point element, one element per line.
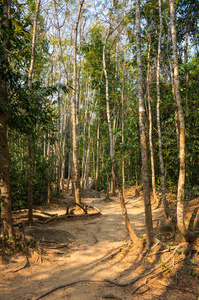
<point>145,172</point>
<point>76,178</point>
<point>122,96</point>
<point>69,167</point>
<point>5,196</point>
<point>83,155</point>
<point>70,159</point>
<point>136,180</point>
<point>87,166</point>
<point>150,119</point>
<point>181,181</point>
<point>172,83</point>
<point>49,170</point>
<point>113,174</point>
<point>59,133</point>
<point>187,86</point>
<point>129,163</point>
<point>162,170</point>
<point>30,183</point>
<point>84,143</point>
<point>97,162</point>
<point>30,137</point>
<point>131,232</point>
<point>63,128</point>
<point>63,156</point>
<point>186,68</point>
<point>93,152</point>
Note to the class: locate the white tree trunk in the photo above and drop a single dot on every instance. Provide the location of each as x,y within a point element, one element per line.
<point>145,172</point>
<point>97,162</point>
<point>122,98</point>
<point>114,165</point>
<point>150,118</point>
<point>181,180</point>
<point>162,170</point>
<point>30,76</point>
<point>75,139</point>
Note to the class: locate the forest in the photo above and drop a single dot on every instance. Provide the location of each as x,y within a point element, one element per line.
<point>101,99</point>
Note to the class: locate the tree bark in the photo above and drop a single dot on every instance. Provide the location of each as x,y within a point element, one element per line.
<point>5,195</point>
<point>112,191</point>
<point>84,148</point>
<point>150,119</point>
<point>145,172</point>
<point>76,176</point>
<point>122,98</point>
<point>131,232</point>
<point>186,68</point>
<point>162,170</point>
<point>70,161</point>
<point>87,166</point>
<point>49,170</point>
<point>97,162</point>
<point>30,76</point>
<point>181,181</point>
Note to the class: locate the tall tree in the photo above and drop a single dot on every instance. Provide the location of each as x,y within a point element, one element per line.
<point>129,228</point>
<point>5,196</point>
<point>145,171</point>
<point>162,170</point>
<point>77,187</point>
<point>30,78</point>
<point>122,98</point>
<point>181,181</point>
<point>150,114</point>
<point>97,154</point>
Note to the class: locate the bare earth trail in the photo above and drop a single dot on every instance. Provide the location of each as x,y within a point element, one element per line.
<point>99,250</point>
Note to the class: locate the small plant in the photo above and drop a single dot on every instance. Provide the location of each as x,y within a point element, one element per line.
<point>8,251</point>
<point>193,261</point>
<point>190,270</point>
<point>168,245</point>
<point>141,236</point>
<point>163,264</point>
<point>161,219</point>
<point>179,251</point>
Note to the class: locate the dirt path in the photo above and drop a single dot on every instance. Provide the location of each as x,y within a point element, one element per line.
<point>99,250</point>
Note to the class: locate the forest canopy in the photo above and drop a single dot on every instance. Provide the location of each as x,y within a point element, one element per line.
<point>79,103</point>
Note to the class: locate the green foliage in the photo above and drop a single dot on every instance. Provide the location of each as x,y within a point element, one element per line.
<point>190,270</point>
<point>19,169</point>
<point>164,265</point>
<point>168,245</point>
<point>35,110</point>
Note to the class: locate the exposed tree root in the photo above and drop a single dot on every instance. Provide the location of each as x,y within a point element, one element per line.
<point>153,276</point>
<point>23,267</point>
<point>59,246</point>
<point>83,207</point>
<point>43,220</point>
<point>161,251</point>
<point>162,271</point>
<point>83,215</point>
<point>149,277</point>
<point>177,288</point>
<point>80,281</point>
<point>109,296</point>
<point>160,265</point>
<point>47,220</point>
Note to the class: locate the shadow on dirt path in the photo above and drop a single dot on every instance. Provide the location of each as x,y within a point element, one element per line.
<point>99,248</point>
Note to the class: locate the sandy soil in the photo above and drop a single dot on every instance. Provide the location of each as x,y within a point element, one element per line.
<point>98,248</point>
